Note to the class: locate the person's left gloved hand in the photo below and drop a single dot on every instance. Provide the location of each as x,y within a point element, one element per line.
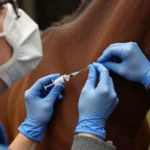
<point>39,110</point>
<point>96,103</point>
<point>128,61</point>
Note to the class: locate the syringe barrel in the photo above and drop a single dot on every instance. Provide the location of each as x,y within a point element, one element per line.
<point>61,80</point>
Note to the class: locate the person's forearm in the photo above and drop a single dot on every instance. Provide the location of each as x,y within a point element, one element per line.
<point>23,143</point>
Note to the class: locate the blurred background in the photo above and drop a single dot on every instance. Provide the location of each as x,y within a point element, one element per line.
<point>45,12</point>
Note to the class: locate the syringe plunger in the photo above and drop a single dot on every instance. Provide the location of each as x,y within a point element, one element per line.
<point>60,80</point>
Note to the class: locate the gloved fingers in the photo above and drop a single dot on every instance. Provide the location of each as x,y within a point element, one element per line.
<point>92,76</point>
<point>112,89</point>
<point>104,77</point>
<point>114,104</point>
<point>39,85</point>
<point>113,51</point>
<point>114,95</point>
<point>55,92</point>
<point>60,97</point>
<point>114,67</point>
<point>113,45</point>
<point>111,84</point>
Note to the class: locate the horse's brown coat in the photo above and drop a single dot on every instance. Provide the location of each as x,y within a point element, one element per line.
<point>73,46</point>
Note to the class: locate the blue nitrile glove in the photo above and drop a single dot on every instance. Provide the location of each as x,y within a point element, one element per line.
<point>3,137</point>
<point>134,66</point>
<point>39,110</point>
<point>96,103</point>
<point>3,147</point>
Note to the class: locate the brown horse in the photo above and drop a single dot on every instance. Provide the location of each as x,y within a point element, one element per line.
<point>71,45</point>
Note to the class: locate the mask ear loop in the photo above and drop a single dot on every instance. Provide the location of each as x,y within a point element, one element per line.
<point>16,7</point>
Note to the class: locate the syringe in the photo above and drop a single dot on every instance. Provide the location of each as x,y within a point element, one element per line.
<point>63,79</point>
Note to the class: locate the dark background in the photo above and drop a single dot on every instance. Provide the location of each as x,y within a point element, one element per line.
<point>45,12</point>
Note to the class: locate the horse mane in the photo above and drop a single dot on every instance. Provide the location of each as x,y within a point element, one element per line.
<point>77,13</point>
<point>66,19</point>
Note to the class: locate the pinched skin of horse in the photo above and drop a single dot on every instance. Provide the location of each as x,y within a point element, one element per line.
<point>74,45</point>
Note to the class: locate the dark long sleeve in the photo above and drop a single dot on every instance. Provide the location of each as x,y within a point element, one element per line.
<point>87,143</point>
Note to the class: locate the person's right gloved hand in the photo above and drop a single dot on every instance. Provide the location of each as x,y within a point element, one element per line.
<point>96,103</point>
<point>134,66</point>
<point>39,109</point>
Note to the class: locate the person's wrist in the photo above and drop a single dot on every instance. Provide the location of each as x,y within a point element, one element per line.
<point>93,126</point>
<point>26,138</point>
<point>33,130</point>
<point>90,135</point>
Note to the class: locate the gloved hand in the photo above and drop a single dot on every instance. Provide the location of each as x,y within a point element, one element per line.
<point>134,66</point>
<point>39,110</point>
<point>96,103</point>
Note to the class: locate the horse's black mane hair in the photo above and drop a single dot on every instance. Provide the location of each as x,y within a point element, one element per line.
<point>79,11</point>
<point>70,18</point>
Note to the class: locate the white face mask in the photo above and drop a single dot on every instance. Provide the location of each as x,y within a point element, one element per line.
<point>24,37</point>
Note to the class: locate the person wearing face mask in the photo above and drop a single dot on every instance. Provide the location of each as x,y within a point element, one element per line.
<point>20,34</point>
<point>95,104</point>
<point>21,48</point>
<point>27,52</point>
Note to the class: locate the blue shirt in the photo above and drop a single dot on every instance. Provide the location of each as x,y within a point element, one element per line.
<point>3,138</point>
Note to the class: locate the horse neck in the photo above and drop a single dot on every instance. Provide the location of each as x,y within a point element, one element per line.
<point>107,22</point>
<point>76,44</point>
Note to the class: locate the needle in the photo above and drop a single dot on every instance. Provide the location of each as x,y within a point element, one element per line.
<point>83,69</point>
<point>64,77</point>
